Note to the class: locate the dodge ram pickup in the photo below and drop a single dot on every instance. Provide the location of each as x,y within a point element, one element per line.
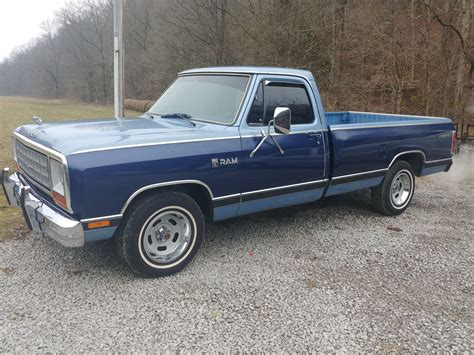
<point>217,144</point>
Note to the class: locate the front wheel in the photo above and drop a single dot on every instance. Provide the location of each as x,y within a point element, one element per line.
<point>162,234</point>
<point>395,193</point>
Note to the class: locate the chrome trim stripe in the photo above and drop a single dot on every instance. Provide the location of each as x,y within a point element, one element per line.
<point>359,177</point>
<point>341,127</point>
<point>226,196</point>
<point>408,152</point>
<point>359,174</point>
<point>278,134</point>
<point>267,193</point>
<point>252,195</point>
<point>161,184</point>
<point>335,178</point>
<point>391,114</point>
<point>282,187</point>
<point>181,141</point>
<point>226,200</point>
<point>51,154</point>
<point>114,216</point>
<point>438,160</point>
<point>270,189</point>
<point>152,144</point>
<point>37,146</point>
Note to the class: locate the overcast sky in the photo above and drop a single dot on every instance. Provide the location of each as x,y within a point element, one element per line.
<point>20,21</point>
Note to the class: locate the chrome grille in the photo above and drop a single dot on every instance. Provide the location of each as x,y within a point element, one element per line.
<point>33,163</point>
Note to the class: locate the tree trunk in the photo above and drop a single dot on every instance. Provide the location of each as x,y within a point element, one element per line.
<point>460,74</point>
<point>332,70</point>
<point>413,49</point>
<point>427,63</point>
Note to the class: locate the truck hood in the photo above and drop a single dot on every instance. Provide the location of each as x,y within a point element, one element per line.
<point>69,137</point>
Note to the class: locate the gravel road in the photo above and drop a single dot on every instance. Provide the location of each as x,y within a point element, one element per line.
<point>329,276</point>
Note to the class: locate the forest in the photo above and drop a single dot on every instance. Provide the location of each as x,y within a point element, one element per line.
<point>398,56</point>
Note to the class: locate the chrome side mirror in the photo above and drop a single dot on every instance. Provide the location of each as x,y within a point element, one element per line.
<point>281,123</point>
<point>282,120</point>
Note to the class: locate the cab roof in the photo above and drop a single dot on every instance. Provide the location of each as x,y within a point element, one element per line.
<point>252,70</point>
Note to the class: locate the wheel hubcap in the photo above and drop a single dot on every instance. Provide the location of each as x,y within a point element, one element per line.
<point>401,189</point>
<point>166,236</point>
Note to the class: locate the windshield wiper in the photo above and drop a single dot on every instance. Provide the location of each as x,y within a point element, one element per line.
<point>183,116</point>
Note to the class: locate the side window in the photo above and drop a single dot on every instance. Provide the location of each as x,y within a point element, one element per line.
<point>277,94</point>
<point>293,96</point>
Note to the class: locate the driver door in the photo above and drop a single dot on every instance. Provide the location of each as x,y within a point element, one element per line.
<point>271,179</point>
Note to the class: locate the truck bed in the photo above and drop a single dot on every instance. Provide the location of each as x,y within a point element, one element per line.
<point>363,145</point>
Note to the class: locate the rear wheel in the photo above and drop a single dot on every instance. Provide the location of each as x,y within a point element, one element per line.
<point>395,193</point>
<point>162,234</point>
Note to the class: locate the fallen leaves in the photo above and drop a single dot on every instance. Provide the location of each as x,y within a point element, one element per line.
<point>394,229</point>
<point>311,283</point>
<point>7,270</point>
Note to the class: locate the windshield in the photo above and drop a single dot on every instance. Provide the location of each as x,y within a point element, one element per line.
<point>214,98</point>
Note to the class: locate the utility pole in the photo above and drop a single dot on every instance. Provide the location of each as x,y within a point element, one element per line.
<point>118,60</point>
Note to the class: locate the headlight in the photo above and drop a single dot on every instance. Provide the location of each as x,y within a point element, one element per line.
<point>58,187</point>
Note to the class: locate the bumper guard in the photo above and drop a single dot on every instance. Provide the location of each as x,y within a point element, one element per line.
<point>39,217</point>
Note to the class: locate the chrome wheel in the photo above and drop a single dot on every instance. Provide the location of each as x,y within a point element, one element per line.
<point>166,236</point>
<point>401,189</point>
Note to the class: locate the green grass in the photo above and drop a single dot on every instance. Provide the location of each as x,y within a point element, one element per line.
<point>16,111</point>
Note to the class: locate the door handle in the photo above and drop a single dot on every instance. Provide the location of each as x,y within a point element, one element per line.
<point>315,136</point>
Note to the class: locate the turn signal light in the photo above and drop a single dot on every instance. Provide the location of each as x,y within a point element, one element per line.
<point>98,224</point>
<point>59,199</point>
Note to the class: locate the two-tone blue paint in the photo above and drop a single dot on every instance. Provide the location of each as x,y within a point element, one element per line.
<point>336,153</point>
<point>96,235</point>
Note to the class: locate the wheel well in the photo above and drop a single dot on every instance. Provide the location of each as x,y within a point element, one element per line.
<point>197,192</point>
<point>416,160</point>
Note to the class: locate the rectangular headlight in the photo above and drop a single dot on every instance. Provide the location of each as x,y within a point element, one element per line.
<point>58,186</point>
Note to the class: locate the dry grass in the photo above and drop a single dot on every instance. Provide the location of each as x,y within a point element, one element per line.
<point>15,111</point>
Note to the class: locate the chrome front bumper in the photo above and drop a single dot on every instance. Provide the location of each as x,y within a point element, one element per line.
<point>39,217</point>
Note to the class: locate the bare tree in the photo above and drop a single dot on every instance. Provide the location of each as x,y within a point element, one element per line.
<point>413,56</point>
<point>54,55</point>
<point>463,32</point>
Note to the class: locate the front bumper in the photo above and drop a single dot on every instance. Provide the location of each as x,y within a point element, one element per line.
<point>39,217</point>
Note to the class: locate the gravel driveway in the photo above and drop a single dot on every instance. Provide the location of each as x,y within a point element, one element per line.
<point>329,276</point>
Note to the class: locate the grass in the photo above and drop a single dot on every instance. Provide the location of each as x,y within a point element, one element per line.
<point>16,111</point>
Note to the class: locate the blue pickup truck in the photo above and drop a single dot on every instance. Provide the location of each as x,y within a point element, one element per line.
<point>218,143</point>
